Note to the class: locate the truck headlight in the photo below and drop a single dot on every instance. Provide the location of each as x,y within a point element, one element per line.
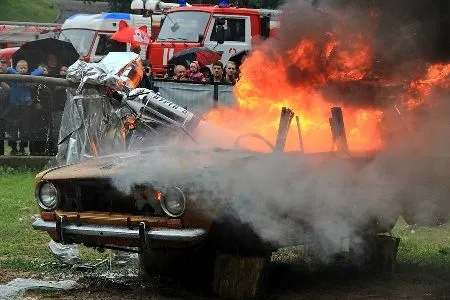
<point>47,196</point>
<point>173,202</point>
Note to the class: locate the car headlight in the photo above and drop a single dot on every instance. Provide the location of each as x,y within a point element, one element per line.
<point>173,202</point>
<point>47,196</point>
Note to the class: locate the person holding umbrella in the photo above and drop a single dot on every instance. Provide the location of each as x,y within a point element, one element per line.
<point>52,65</point>
<point>50,52</point>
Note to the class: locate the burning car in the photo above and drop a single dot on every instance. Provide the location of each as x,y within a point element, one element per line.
<point>166,191</point>
<point>152,187</point>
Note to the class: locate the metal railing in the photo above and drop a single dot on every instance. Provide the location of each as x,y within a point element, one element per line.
<point>27,24</point>
<point>197,97</point>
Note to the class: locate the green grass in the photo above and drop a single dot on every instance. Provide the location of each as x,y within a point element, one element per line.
<point>420,246</point>
<point>28,11</point>
<point>424,246</point>
<point>22,247</point>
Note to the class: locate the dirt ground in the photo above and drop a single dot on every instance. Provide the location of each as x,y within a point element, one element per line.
<point>285,281</point>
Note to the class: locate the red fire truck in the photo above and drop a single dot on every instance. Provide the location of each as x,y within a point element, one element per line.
<point>89,33</point>
<point>226,29</point>
<point>14,34</point>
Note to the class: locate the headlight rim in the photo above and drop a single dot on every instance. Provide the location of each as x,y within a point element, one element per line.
<point>164,207</point>
<point>38,198</point>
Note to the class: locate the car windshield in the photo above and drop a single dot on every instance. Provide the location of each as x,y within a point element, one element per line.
<point>183,26</point>
<point>81,39</point>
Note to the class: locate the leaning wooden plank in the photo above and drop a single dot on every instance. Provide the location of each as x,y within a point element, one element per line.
<point>239,277</point>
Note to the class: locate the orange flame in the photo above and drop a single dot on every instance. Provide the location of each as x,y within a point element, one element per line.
<point>298,79</point>
<point>261,95</point>
<point>437,76</point>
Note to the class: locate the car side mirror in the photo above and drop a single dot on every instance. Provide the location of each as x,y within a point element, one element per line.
<point>220,34</point>
<point>201,37</point>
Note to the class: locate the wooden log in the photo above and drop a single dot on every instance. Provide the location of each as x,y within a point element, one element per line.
<point>239,277</point>
<point>283,128</point>
<point>299,133</point>
<point>376,254</point>
<point>384,256</point>
<point>338,130</point>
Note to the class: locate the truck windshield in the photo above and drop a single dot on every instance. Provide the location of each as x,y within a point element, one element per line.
<point>81,39</point>
<point>183,26</point>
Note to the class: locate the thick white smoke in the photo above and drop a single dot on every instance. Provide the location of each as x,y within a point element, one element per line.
<point>287,198</point>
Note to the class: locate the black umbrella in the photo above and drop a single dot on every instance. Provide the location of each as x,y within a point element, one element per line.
<point>237,58</point>
<point>37,52</point>
<point>203,55</point>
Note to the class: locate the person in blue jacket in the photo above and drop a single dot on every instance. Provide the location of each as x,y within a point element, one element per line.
<point>20,107</point>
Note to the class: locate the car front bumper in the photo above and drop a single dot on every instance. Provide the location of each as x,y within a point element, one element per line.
<point>64,230</point>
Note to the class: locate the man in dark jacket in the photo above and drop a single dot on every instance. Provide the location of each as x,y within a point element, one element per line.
<point>217,72</point>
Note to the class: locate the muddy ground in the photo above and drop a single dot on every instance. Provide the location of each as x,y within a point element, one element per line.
<point>285,281</point>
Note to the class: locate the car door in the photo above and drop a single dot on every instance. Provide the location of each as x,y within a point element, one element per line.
<point>237,36</point>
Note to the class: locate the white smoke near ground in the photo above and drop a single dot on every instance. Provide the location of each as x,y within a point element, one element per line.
<point>287,199</point>
<point>293,198</point>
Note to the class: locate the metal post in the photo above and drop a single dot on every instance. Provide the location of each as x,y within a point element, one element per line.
<point>216,95</point>
<point>299,131</point>
<point>283,129</point>
<point>338,130</point>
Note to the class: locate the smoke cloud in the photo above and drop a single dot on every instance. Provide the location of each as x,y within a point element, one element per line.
<point>389,42</point>
<point>290,198</point>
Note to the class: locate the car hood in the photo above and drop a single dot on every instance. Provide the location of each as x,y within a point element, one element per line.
<point>178,160</point>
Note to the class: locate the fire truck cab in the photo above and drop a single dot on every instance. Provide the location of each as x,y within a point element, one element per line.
<point>197,25</point>
<point>91,34</point>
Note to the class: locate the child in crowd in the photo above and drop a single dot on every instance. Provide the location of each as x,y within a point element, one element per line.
<point>20,101</point>
<point>195,74</point>
<point>63,71</point>
<point>44,67</point>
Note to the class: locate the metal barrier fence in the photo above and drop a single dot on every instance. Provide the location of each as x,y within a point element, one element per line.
<point>197,97</point>
<point>36,126</point>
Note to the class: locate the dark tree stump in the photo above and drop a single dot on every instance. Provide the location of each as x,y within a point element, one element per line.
<point>384,256</point>
<point>239,277</point>
<point>376,254</point>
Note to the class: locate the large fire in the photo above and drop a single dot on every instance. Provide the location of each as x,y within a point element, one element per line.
<point>298,79</point>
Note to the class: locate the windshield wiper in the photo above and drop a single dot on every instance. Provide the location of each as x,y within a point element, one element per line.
<point>173,39</point>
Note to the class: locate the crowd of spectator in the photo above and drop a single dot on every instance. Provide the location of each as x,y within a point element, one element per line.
<point>31,113</point>
<point>218,73</point>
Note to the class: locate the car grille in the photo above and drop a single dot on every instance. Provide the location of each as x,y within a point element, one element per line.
<point>101,196</point>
